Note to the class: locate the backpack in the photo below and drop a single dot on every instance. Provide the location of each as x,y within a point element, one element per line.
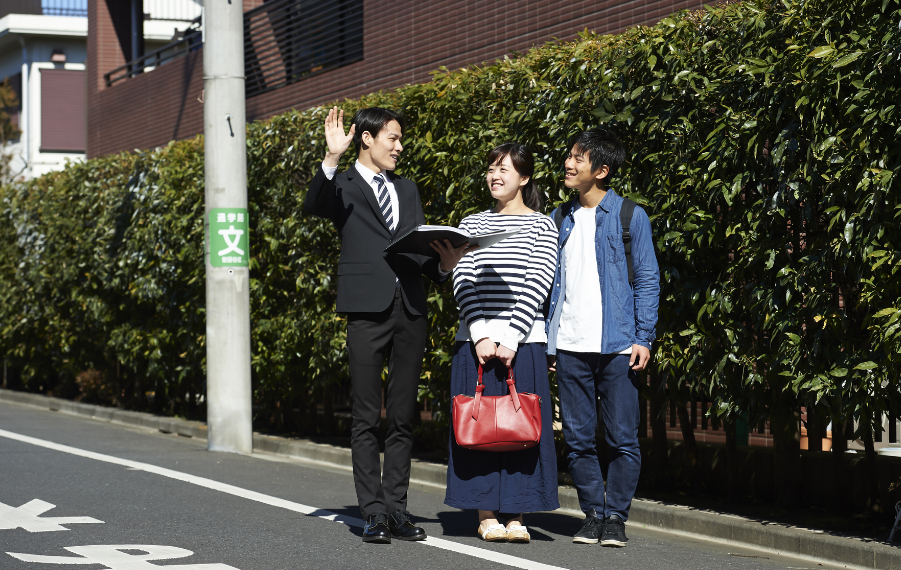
<point>625,218</point>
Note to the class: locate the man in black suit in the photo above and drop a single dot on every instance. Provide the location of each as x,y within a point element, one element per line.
<point>385,302</point>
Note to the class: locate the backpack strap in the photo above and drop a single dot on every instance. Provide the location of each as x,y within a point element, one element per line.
<point>558,216</point>
<point>625,219</point>
<point>563,210</point>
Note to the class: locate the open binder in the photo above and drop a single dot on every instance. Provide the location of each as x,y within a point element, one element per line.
<point>417,240</point>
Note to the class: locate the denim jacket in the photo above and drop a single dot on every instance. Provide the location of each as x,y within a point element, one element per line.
<point>629,311</point>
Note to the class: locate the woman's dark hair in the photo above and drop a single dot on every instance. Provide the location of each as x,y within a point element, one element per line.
<point>603,148</point>
<point>373,120</point>
<point>524,163</point>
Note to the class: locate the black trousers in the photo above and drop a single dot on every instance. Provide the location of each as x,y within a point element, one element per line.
<point>400,337</point>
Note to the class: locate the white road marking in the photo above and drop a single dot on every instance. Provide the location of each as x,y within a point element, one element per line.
<point>476,552</point>
<point>28,517</point>
<point>112,557</point>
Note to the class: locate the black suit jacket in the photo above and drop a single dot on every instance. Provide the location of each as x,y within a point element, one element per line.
<point>366,274</point>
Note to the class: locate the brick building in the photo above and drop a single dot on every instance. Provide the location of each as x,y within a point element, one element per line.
<point>302,53</point>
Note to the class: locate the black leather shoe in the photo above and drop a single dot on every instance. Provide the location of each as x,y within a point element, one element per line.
<point>376,529</point>
<point>402,528</point>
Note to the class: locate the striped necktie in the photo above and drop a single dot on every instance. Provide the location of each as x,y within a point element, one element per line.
<point>384,201</point>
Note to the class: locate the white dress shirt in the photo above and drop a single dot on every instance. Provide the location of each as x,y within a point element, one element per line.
<point>368,176</point>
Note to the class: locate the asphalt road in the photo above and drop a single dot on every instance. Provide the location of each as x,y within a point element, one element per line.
<point>144,500</point>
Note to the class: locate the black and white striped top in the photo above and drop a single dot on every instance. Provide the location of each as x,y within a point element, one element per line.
<point>500,289</point>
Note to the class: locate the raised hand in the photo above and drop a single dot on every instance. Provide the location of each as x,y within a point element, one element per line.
<point>335,138</point>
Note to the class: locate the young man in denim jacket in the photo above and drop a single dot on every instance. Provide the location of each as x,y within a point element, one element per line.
<point>600,328</point>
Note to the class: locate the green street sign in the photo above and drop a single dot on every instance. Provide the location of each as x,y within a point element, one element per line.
<point>228,239</point>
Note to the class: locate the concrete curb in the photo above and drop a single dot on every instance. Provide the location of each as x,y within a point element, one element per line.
<point>725,528</point>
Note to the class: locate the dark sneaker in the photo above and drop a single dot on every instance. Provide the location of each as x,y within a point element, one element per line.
<point>591,529</point>
<point>614,533</point>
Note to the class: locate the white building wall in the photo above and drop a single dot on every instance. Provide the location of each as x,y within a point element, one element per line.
<point>28,42</point>
<point>42,35</point>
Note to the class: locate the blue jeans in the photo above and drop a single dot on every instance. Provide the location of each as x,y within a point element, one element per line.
<point>581,378</point>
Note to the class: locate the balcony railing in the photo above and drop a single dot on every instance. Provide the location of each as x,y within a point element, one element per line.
<point>78,8</point>
<point>150,61</point>
<point>284,41</point>
<point>174,10</point>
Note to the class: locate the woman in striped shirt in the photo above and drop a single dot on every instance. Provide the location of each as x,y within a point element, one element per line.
<point>500,291</point>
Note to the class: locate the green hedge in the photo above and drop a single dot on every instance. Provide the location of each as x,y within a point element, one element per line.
<point>763,139</point>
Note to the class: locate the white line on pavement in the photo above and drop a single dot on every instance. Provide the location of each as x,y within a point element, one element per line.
<point>498,557</point>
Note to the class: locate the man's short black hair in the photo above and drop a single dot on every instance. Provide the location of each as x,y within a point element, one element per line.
<point>603,148</point>
<point>373,120</point>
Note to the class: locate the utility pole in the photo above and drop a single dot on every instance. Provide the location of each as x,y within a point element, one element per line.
<point>227,245</point>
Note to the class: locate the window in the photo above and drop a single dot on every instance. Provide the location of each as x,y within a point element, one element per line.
<point>12,111</point>
<point>288,40</point>
<point>63,111</point>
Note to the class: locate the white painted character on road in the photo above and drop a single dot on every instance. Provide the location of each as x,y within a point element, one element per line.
<point>28,517</point>
<point>121,557</point>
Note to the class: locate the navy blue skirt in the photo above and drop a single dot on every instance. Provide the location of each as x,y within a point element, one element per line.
<point>509,481</point>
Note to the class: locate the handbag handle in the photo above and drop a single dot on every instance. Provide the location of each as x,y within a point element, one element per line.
<point>480,387</point>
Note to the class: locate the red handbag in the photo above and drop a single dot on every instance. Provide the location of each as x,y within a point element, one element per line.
<point>497,423</point>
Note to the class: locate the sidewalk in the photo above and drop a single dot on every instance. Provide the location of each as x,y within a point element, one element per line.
<point>720,527</point>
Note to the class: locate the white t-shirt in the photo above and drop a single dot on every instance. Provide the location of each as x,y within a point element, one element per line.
<point>582,319</point>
